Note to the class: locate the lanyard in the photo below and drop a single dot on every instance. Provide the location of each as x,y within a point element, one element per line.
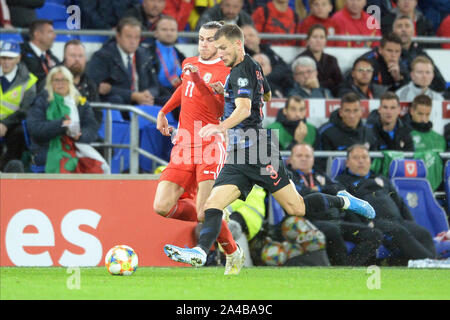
<point>311,180</point>
<point>166,70</point>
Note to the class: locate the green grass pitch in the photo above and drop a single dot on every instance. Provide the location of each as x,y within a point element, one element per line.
<point>209,283</point>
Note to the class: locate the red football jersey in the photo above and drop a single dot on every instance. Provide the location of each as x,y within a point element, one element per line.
<point>199,104</point>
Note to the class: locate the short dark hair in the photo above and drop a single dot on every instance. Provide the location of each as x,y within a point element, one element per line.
<point>421,99</point>
<point>231,32</point>
<point>391,37</point>
<point>315,27</point>
<point>350,98</point>
<point>74,42</point>
<point>389,95</point>
<point>37,25</point>
<point>293,97</point>
<point>212,25</point>
<point>356,146</point>
<point>361,59</point>
<point>128,21</point>
<point>166,17</point>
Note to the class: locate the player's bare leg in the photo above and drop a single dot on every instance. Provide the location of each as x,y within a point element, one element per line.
<point>290,200</point>
<point>168,204</point>
<point>220,198</point>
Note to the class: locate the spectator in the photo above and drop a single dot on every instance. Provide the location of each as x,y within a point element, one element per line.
<point>385,6</point>
<point>36,53</point>
<point>5,16</point>
<point>391,131</point>
<point>404,28</point>
<point>393,217</point>
<point>435,10</point>
<point>320,14</point>
<point>123,71</point>
<point>421,77</point>
<point>275,87</point>
<point>61,125</point>
<point>18,90</point>
<point>99,14</point>
<point>361,82</point>
<point>277,17</point>
<point>389,70</point>
<point>425,139</point>
<point>229,11</point>
<point>328,71</point>
<point>306,83</point>
<point>281,73</point>
<point>180,10</point>
<point>75,60</point>
<point>335,224</point>
<point>353,20</point>
<point>345,127</point>
<point>444,31</point>
<point>292,126</point>
<point>167,57</point>
<point>23,12</point>
<point>422,26</point>
<point>147,13</point>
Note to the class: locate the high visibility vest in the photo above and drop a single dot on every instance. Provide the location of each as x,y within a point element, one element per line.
<point>11,99</point>
<point>253,210</point>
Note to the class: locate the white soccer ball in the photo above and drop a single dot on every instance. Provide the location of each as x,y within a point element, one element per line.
<point>121,261</point>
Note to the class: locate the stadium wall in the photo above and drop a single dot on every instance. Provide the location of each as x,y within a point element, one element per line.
<point>73,220</point>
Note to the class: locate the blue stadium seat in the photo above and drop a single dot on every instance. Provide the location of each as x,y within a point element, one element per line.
<point>52,11</point>
<point>95,38</point>
<point>34,168</point>
<point>409,178</point>
<point>16,37</point>
<point>447,184</point>
<point>337,166</point>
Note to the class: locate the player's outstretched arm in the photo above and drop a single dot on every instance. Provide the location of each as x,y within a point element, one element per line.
<point>240,113</point>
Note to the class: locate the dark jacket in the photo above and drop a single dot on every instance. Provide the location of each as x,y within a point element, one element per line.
<point>137,11</point>
<point>34,65</point>
<point>317,93</point>
<point>438,84</point>
<point>325,185</point>
<point>215,14</point>
<point>381,74</point>
<point>424,27</point>
<point>23,12</point>
<point>42,130</point>
<point>379,192</point>
<point>329,73</point>
<point>349,86</point>
<point>99,14</point>
<point>106,66</point>
<point>89,89</point>
<point>281,75</point>
<point>335,135</point>
<point>402,139</point>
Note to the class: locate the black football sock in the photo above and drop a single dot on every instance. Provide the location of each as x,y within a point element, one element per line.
<point>320,202</point>
<point>211,228</point>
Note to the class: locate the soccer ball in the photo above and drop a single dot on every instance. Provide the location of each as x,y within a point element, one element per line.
<point>293,249</point>
<point>273,254</point>
<point>312,240</point>
<point>293,226</point>
<point>121,261</point>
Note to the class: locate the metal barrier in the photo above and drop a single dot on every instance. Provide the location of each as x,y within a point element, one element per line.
<point>263,36</point>
<point>134,148</point>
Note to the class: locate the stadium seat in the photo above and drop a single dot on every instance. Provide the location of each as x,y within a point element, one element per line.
<point>16,37</point>
<point>34,168</point>
<point>409,178</point>
<point>93,38</point>
<point>120,135</point>
<point>52,11</point>
<point>337,167</point>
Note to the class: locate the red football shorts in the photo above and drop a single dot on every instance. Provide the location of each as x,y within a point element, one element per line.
<point>189,166</point>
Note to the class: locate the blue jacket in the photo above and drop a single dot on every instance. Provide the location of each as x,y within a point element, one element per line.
<point>106,66</point>
<point>42,130</point>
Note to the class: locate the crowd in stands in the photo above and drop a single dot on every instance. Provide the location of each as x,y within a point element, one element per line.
<point>53,96</point>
